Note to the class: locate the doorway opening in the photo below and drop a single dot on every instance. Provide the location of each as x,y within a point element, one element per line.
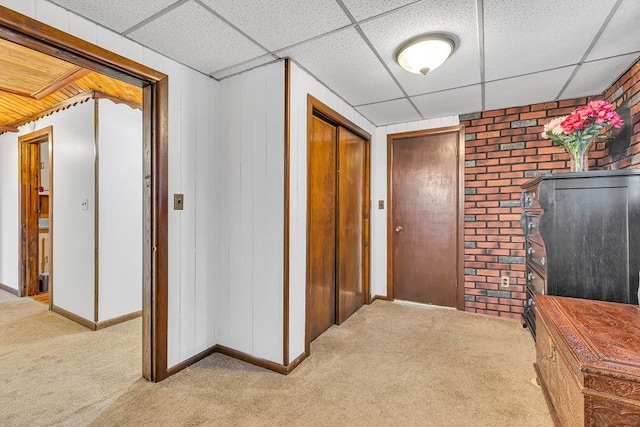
<point>42,38</point>
<point>425,222</point>
<point>35,162</point>
<point>338,219</point>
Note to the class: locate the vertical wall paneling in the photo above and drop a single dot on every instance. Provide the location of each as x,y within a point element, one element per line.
<point>9,210</point>
<point>256,216</point>
<point>205,213</point>
<point>188,138</point>
<point>73,183</point>
<point>249,163</point>
<point>272,232</point>
<point>120,183</point>
<point>173,69</point>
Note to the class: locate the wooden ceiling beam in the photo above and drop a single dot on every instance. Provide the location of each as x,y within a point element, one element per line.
<point>5,128</point>
<point>61,83</point>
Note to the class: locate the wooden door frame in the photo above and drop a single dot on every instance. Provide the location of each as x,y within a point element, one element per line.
<point>41,136</point>
<point>459,129</point>
<point>28,32</point>
<point>318,109</point>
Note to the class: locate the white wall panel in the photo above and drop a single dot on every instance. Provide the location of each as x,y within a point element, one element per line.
<point>187,217</point>
<point>173,69</point>
<point>52,14</point>
<point>120,210</point>
<point>26,7</point>
<point>249,159</point>
<point>9,210</point>
<point>73,228</point>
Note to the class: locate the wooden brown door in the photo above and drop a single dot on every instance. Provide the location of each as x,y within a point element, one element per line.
<point>337,240</point>
<point>351,185</point>
<point>322,157</point>
<point>29,183</point>
<point>425,226</point>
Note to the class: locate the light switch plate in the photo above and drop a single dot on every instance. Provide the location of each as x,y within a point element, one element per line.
<point>380,204</point>
<point>178,202</point>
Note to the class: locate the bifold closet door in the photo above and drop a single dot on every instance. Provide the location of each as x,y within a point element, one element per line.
<point>322,161</point>
<point>350,204</point>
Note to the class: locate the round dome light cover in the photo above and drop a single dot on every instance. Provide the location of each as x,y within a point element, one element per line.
<point>425,53</point>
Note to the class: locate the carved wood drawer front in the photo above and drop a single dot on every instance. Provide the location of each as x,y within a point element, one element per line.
<point>530,198</point>
<point>536,280</point>
<point>532,225</point>
<point>536,253</point>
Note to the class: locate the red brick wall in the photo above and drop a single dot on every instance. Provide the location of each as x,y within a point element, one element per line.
<point>625,93</point>
<point>503,150</point>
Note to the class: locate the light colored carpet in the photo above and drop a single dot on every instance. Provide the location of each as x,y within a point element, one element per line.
<point>387,365</point>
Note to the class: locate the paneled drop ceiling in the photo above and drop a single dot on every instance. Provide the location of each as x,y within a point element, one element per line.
<point>510,52</point>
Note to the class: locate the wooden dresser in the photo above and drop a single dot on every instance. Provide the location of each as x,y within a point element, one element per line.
<point>588,361</point>
<point>536,272</point>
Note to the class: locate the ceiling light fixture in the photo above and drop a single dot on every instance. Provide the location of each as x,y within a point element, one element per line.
<point>425,53</point>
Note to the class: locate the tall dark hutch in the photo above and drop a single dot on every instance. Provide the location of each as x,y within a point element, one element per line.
<point>582,237</point>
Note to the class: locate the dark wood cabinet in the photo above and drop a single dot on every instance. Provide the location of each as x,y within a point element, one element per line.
<point>591,230</point>
<point>582,237</point>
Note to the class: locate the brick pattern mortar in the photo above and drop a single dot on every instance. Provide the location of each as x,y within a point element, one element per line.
<point>503,150</point>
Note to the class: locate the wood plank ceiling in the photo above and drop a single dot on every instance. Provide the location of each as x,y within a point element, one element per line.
<point>33,85</point>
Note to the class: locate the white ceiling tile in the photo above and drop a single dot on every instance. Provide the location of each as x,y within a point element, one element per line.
<point>344,62</point>
<point>253,63</point>
<point>450,102</point>
<point>622,34</point>
<point>593,78</point>
<point>281,23</point>
<point>190,34</point>
<point>527,36</point>
<point>363,9</point>
<point>385,113</point>
<point>118,15</point>
<point>525,90</point>
<point>457,17</point>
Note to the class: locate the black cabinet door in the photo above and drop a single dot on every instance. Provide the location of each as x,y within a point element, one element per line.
<point>591,229</point>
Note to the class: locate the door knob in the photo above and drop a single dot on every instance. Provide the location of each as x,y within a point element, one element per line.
<point>398,229</point>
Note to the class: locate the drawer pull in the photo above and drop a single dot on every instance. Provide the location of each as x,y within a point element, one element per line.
<point>531,225</point>
<point>531,251</point>
<point>552,351</point>
<point>530,276</point>
<point>543,260</point>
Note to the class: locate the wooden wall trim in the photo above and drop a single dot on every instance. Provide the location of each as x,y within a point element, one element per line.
<point>117,320</point>
<point>74,317</point>
<point>160,227</point>
<point>38,36</point>
<point>10,290</point>
<point>460,215</point>
<point>287,208</point>
<point>252,360</point>
<point>116,100</point>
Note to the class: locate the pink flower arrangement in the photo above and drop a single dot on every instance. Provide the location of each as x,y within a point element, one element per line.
<point>577,131</point>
